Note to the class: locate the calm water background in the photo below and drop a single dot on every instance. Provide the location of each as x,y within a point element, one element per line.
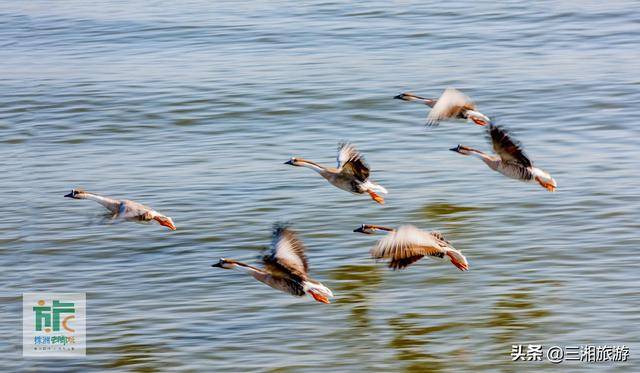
<point>193,108</point>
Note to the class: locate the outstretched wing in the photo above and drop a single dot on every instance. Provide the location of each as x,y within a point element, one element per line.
<point>286,256</point>
<point>351,162</point>
<point>449,105</point>
<point>508,148</point>
<point>405,246</point>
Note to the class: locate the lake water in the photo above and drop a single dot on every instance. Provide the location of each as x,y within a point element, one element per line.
<point>192,108</point>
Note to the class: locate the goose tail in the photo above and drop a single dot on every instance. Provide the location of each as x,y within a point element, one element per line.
<point>458,260</point>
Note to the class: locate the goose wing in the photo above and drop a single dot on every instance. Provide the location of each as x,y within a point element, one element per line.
<point>449,105</point>
<point>407,245</point>
<point>351,162</point>
<point>286,257</point>
<point>508,148</point>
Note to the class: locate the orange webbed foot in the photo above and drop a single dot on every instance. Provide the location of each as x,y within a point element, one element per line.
<point>548,186</point>
<point>376,197</point>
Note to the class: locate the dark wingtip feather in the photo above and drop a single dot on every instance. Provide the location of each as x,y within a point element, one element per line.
<point>503,139</point>
<point>280,226</point>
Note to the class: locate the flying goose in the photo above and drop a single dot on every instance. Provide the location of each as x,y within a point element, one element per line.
<point>452,104</point>
<point>285,267</point>
<point>511,160</point>
<point>124,209</point>
<point>408,244</point>
<point>351,174</point>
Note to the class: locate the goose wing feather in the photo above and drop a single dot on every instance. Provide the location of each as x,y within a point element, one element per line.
<point>406,245</point>
<point>351,162</point>
<point>506,147</point>
<point>450,104</point>
<point>286,257</point>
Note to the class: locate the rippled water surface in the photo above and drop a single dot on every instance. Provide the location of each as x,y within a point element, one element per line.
<point>192,108</point>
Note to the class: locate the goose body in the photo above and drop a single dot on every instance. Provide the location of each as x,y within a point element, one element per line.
<point>408,244</point>
<point>452,104</point>
<point>285,267</point>
<point>124,209</point>
<point>351,173</point>
<point>510,159</point>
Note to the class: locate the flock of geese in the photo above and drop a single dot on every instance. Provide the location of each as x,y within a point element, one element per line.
<point>285,266</point>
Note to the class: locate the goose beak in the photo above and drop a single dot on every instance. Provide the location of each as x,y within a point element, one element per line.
<point>70,195</point>
<point>217,265</point>
<point>289,162</point>
<point>399,97</point>
<point>360,229</point>
<point>456,149</point>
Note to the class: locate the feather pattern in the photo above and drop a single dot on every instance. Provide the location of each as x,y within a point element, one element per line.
<point>408,244</point>
<point>284,283</point>
<point>451,104</point>
<point>515,170</point>
<point>351,162</point>
<point>506,147</point>
<point>286,256</point>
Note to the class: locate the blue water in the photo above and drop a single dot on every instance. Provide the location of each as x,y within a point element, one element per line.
<point>192,107</point>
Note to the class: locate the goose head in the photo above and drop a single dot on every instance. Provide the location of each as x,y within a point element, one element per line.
<point>407,96</point>
<point>76,194</point>
<point>464,150</point>
<point>298,162</point>
<point>225,263</point>
<point>371,229</point>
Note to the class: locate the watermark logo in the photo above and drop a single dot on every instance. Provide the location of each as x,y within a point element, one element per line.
<point>54,324</point>
<point>581,353</point>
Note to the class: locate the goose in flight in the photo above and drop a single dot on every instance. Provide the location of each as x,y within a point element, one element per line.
<point>351,174</point>
<point>408,244</point>
<point>452,104</point>
<point>125,209</point>
<point>285,267</point>
<point>511,160</point>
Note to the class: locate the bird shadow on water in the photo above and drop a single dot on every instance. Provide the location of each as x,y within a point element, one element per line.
<point>411,341</point>
<point>447,212</point>
<point>517,315</point>
<point>354,283</point>
<point>109,219</point>
<point>456,221</point>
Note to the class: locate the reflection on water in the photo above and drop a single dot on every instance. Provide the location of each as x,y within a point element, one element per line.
<point>449,212</point>
<point>515,314</point>
<point>418,344</point>
<point>356,284</point>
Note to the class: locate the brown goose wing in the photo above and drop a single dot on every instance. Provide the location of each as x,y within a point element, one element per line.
<point>286,257</point>
<point>405,246</point>
<point>402,263</point>
<point>351,162</point>
<point>506,147</point>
